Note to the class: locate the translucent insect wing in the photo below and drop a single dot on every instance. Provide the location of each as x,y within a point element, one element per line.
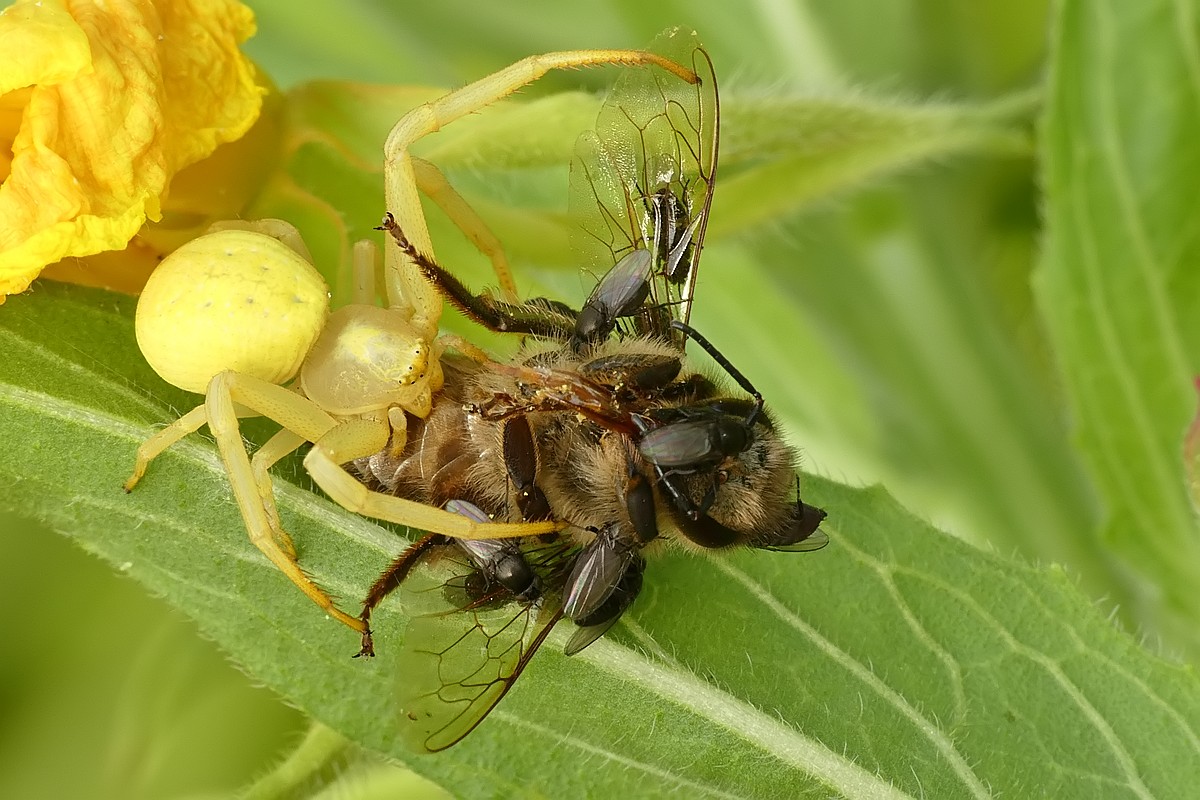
<point>460,655</point>
<point>655,132</point>
<point>815,541</point>
<point>595,576</point>
<point>681,444</point>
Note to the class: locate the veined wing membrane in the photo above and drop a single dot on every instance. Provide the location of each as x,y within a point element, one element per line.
<point>467,644</point>
<point>644,178</point>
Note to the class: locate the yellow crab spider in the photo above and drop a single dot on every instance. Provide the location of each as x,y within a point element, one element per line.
<point>238,312</point>
<point>235,313</point>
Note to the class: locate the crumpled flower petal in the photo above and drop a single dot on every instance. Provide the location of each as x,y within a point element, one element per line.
<point>103,102</point>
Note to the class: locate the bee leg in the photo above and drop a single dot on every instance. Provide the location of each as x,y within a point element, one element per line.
<point>643,372</point>
<point>500,561</point>
<point>691,518</point>
<point>535,319</point>
<point>391,578</point>
<point>520,459</point>
<point>639,504</point>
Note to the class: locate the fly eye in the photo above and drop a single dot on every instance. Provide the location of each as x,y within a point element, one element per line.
<point>733,436</point>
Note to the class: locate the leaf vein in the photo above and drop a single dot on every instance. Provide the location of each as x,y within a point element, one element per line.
<point>1054,670</point>
<point>942,743</point>
<point>203,454</point>
<point>561,738</point>
<point>752,724</point>
<point>1143,258</point>
<point>55,363</point>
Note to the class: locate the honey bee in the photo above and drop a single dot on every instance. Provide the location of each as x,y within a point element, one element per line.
<point>598,422</point>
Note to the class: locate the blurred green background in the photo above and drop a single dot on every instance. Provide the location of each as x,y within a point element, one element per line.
<point>105,692</point>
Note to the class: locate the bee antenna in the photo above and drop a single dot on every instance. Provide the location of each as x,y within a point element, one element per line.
<point>733,371</point>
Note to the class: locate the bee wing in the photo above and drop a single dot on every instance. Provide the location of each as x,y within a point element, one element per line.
<point>463,651</point>
<point>656,136</point>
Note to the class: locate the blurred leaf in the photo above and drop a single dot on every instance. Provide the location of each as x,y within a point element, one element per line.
<point>325,764</point>
<point>1118,282</point>
<point>778,154</point>
<point>97,673</point>
<point>804,151</point>
<point>977,48</point>
<point>898,662</point>
<point>890,356</point>
<point>1191,457</point>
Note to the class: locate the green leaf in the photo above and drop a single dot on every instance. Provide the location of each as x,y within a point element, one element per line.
<point>897,662</point>
<point>801,151</point>
<point>779,154</point>
<point>890,354</point>
<point>1118,284</point>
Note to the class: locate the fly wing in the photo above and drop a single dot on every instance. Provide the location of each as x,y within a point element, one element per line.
<point>679,444</point>
<point>465,648</point>
<point>589,629</point>
<point>597,573</point>
<point>644,178</point>
<point>814,541</point>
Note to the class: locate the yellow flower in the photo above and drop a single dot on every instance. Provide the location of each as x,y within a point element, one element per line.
<point>102,102</point>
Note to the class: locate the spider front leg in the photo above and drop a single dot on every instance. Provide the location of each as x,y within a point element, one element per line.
<point>406,285</point>
<point>433,184</point>
<point>542,320</point>
<point>153,447</point>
